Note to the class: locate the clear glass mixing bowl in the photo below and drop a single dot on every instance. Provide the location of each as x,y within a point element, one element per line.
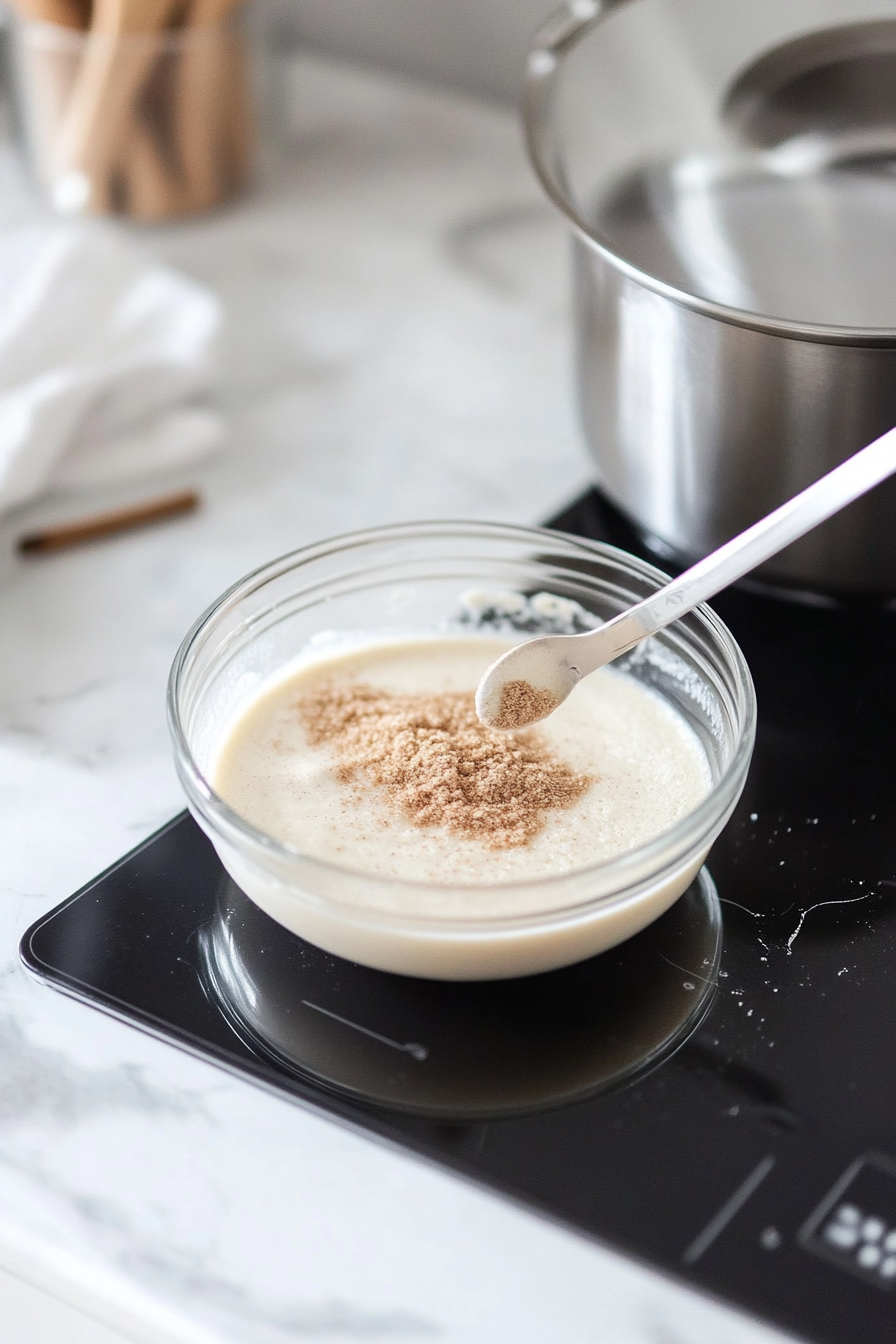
<point>414,580</point>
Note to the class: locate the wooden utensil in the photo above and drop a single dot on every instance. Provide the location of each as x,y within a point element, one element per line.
<point>148,187</point>
<point>118,56</point>
<point>202,100</point>
<point>239,130</point>
<point>62,13</point>
<point>47,55</point>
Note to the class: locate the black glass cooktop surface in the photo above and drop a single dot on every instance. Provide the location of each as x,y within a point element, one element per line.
<point>717,1097</point>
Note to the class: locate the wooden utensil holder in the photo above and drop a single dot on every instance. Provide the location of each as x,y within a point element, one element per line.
<point>146,125</point>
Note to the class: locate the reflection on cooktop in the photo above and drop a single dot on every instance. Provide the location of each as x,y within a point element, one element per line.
<point>462,1051</point>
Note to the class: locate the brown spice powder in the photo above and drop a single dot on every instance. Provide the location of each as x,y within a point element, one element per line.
<point>438,765</point>
<point>522,703</point>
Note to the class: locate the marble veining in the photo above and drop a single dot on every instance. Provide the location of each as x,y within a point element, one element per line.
<point>396,348</point>
<point>37,1082</point>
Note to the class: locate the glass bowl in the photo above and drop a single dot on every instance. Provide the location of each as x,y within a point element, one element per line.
<point>416,579</point>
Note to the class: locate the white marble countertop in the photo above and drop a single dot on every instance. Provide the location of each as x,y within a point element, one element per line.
<point>396,348</point>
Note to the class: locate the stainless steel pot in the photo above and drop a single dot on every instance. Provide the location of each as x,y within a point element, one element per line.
<point>729,174</point>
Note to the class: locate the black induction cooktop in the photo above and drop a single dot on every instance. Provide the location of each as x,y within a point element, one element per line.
<point>717,1097</point>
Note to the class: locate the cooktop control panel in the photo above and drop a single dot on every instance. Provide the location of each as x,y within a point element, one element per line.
<point>855,1225</point>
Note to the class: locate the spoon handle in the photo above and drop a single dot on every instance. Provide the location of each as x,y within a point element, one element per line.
<point>743,553</point>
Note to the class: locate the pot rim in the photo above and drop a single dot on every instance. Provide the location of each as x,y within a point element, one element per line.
<point>559,35</point>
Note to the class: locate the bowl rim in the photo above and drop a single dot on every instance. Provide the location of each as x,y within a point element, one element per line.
<point>692,833</point>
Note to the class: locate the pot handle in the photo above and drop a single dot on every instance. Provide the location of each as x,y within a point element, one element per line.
<point>565,28</point>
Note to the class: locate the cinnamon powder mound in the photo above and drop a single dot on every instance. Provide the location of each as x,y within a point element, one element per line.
<point>438,765</point>
<point>522,703</point>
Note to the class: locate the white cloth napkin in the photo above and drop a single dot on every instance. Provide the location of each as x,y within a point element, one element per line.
<point>105,361</point>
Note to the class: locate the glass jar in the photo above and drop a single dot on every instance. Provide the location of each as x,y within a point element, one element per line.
<point>148,125</point>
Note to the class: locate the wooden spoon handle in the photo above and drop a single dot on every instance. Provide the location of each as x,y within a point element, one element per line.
<point>62,13</point>
<point>118,56</point>
<point>200,96</point>
<point>149,188</point>
<point>212,107</point>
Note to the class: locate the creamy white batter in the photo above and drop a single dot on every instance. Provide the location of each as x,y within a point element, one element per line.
<point>648,769</point>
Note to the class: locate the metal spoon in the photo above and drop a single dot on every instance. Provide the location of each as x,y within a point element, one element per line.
<point>529,682</point>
